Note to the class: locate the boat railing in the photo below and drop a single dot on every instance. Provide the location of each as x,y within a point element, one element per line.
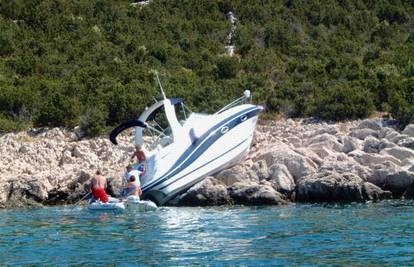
<point>247,97</point>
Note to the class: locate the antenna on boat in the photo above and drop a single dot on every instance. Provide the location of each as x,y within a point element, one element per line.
<point>159,83</point>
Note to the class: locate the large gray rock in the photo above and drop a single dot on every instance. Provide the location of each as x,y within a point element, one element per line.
<point>370,124</point>
<point>260,168</point>
<point>208,192</point>
<point>398,182</point>
<point>326,140</point>
<point>334,187</point>
<point>349,165</point>
<point>351,144</point>
<point>391,177</point>
<point>409,192</point>
<point>329,187</point>
<point>232,175</point>
<point>384,143</point>
<point>374,193</point>
<point>297,164</point>
<point>391,134</point>
<point>400,153</point>
<point>307,153</point>
<point>371,145</point>
<point>407,142</point>
<point>409,130</point>
<point>363,133</point>
<point>369,159</point>
<point>255,194</point>
<point>281,179</point>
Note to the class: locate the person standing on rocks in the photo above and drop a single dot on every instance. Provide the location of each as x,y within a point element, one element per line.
<point>141,158</point>
<point>98,186</point>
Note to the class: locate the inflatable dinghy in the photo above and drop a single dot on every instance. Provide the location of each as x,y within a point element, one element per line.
<point>132,203</point>
<point>108,206</point>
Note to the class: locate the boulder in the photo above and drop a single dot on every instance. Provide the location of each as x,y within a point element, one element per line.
<point>294,141</point>
<point>409,192</point>
<point>329,129</point>
<point>330,187</point>
<point>321,151</point>
<point>233,175</point>
<point>281,179</point>
<point>408,163</point>
<point>409,130</point>
<point>380,172</point>
<point>297,164</point>
<point>309,154</point>
<point>326,140</point>
<point>407,142</point>
<point>398,182</point>
<point>391,134</point>
<point>333,165</point>
<point>260,168</point>
<point>370,124</point>
<point>363,133</point>
<point>400,153</point>
<point>371,145</point>
<point>384,143</point>
<point>255,194</point>
<point>351,144</point>
<point>374,193</point>
<point>208,192</point>
<point>369,159</point>
<point>399,138</point>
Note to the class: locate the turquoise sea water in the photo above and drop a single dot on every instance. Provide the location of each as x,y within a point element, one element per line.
<point>355,234</point>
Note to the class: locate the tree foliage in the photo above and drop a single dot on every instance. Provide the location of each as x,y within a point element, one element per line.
<point>88,63</point>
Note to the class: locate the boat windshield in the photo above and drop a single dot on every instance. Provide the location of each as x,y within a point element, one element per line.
<point>158,133</point>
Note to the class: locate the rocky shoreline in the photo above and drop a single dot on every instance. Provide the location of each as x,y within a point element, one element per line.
<point>302,160</point>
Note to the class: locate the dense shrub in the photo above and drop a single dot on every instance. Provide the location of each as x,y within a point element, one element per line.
<point>64,63</point>
<point>344,102</point>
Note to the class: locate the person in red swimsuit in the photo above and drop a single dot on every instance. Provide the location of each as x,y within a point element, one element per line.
<point>98,186</point>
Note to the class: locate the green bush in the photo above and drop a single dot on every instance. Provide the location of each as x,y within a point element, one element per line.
<point>92,122</point>
<point>65,62</point>
<point>344,102</point>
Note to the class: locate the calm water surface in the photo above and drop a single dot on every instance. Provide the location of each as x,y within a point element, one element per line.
<point>356,234</point>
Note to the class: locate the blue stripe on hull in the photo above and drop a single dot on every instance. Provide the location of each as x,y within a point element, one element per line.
<point>187,186</point>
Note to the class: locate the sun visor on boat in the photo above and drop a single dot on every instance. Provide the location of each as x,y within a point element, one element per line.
<point>125,125</point>
<point>174,101</point>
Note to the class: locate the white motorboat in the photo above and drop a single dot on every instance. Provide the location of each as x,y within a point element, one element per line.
<point>183,147</point>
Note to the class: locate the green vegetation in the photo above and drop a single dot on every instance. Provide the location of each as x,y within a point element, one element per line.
<point>88,63</point>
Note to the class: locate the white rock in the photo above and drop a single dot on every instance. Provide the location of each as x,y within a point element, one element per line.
<point>326,140</point>
<point>400,153</point>
<point>409,130</point>
<point>370,159</point>
<point>297,164</point>
<point>281,179</point>
<point>371,145</point>
<point>351,144</point>
<point>363,133</point>
<point>370,124</point>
